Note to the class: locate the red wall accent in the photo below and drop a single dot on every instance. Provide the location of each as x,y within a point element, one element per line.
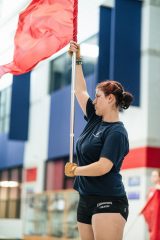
<point>4,176</point>
<point>142,157</point>
<point>30,175</point>
<point>58,175</point>
<point>55,175</point>
<point>69,183</point>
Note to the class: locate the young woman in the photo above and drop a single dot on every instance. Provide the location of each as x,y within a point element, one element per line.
<point>155,179</point>
<point>103,207</point>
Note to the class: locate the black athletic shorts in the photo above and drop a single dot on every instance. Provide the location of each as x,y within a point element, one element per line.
<point>92,204</point>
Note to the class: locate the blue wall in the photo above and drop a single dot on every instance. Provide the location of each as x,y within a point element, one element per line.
<point>120,40</point>
<point>60,120</point>
<point>20,107</point>
<point>12,144</point>
<point>11,152</point>
<point>126,45</point>
<point>104,44</point>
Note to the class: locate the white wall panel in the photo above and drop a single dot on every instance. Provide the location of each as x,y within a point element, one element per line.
<point>154,78</point>
<point>88,18</point>
<point>154,37</point>
<point>134,120</point>
<point>154,102</point>
<point>36,149</point>
<point>150,72</point>
<point>37,146</point>
<point>136,227</point>
<point>39,82</point>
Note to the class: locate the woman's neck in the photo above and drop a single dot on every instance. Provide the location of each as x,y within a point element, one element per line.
<point>112,116</point>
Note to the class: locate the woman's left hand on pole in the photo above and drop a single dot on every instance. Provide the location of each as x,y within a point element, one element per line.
<point>70,169</point>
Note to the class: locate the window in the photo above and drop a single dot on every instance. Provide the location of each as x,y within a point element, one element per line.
<point>5,104</point>
<point>10,193</point>
<point>60,68</point>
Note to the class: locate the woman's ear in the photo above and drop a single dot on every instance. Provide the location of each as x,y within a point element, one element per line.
<point>111,98</point>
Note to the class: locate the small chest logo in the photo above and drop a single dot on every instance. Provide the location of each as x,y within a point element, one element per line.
<point>97,134</point>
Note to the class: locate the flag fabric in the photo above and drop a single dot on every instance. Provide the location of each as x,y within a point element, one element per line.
<point>151,213</point>
<point>44,27</point>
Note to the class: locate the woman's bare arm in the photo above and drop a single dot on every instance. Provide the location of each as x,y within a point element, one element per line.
<point>80,83</point>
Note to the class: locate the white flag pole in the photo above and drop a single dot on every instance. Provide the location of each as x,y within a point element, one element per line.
<point>72,110</point>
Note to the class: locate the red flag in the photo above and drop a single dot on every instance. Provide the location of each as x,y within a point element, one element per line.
<point>151,213</point>
<point>44,27</point>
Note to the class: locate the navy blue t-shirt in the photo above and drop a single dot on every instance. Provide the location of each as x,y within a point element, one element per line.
<point>101,139</point>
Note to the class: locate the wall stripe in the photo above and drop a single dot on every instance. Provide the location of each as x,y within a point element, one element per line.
<point>142,157</point>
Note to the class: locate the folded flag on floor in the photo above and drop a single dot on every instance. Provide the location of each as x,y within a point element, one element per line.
<point>44,27</point>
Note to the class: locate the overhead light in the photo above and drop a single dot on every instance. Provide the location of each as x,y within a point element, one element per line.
<point>89,50</point>
<point>9,184</point>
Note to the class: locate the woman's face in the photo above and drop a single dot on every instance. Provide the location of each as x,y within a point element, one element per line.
<point>155,178</point>
<point>103,103</point>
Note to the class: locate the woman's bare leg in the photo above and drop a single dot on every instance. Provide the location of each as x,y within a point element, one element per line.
<point>85,231</point>
<point>108,226</point>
